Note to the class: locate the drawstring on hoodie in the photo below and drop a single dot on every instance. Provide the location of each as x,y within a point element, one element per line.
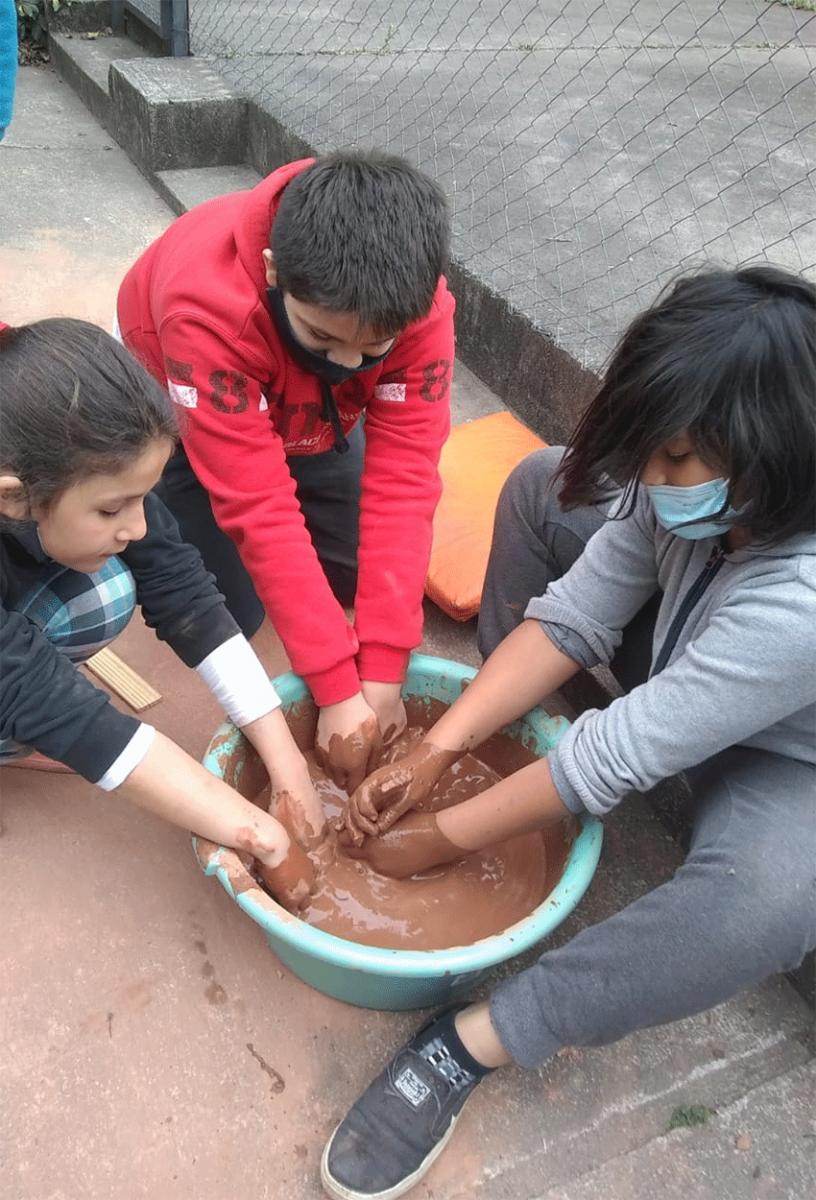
<point>330,414</point>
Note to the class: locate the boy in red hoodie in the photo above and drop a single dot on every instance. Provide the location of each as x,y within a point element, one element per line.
<point>277,318</point>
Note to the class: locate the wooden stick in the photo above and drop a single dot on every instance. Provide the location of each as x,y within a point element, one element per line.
<point>123,680</point>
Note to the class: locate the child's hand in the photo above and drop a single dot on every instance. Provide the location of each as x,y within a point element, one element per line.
<point>393,791</point>
<point>348,741</point>
<point>296,805</point>
<point>290,878</point>
<point>382,799</point>
<point>294,800</point>
<point>414,844</point>
<point>385,700</point>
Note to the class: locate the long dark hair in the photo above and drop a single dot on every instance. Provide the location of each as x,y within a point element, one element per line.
<point>729,357</point>
<point>73,403</point>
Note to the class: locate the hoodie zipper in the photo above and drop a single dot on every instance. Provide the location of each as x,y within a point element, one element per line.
<point>692,596</point>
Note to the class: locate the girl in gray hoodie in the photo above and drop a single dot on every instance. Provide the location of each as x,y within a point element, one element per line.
<point>674,540</point>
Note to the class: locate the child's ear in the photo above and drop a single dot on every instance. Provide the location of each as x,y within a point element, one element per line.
<point>270,268</point>
<point>13,498</point>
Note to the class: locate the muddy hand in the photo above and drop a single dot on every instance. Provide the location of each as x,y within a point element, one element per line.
<point>292,881</point>
<point>300,811</point>
<point>394,790</point>
<point>414,844</point>
<point>348,741</point>
<point>385,700</point>
<point>390,790</point>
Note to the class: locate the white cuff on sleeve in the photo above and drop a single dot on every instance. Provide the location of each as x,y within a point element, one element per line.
<point>129,759</point>
<point>234,675</point>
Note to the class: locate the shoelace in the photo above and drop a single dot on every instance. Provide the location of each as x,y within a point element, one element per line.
<point>437,1054</point>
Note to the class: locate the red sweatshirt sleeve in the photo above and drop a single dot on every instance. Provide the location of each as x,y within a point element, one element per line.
<point>239,458</point>
<point>407,422</point>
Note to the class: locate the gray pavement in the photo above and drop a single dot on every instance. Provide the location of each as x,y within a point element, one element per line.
<point>590,150</point>
<point>762,1146</point>
<point>74,211</point>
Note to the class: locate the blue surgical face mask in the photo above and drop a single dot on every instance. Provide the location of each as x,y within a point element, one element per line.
<point>676,506</point>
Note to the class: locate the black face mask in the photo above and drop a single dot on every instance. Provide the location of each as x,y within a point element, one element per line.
<point>310,360</point>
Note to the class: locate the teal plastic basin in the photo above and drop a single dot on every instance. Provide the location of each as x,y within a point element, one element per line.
<point>397,979</point>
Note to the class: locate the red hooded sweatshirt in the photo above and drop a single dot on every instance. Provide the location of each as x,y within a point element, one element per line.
<point>194,310</point>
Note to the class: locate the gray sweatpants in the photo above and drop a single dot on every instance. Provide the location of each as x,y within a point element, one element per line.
<point>743,904</point>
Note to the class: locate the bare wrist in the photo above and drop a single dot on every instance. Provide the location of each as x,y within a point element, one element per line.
<point>437,757</point>
<point>286,766</point>
<point>341,705</point>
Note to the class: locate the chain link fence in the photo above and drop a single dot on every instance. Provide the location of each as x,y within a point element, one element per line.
<point>590,150</point>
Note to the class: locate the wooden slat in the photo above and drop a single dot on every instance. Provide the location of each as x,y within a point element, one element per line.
<point>123,680</point>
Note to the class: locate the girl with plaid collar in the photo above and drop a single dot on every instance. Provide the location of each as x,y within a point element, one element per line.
<point>85,433</point>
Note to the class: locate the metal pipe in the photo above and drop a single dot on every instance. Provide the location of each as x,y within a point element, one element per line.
<point>180,28</point>
<point>117,16</point>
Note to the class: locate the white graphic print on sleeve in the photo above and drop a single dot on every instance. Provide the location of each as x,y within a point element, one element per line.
<point>392,392</point>
<point>187,397</point>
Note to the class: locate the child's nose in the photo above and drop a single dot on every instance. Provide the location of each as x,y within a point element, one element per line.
<point>345,357</point>
<point>136,527</point>
<point>653,474</point>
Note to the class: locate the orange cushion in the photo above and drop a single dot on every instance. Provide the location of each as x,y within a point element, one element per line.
<point>475,462</point>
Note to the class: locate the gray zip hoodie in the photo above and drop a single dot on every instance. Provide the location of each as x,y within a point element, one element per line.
<point>742,670</point>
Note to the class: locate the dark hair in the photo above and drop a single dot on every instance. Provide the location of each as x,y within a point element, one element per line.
<point>73,403</point>
<point>728,356</point>
<point>364,233</point>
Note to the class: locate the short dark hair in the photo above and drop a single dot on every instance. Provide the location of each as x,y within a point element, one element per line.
<point>363,233</point>
<point>73,403</point>
<point>728,356</point>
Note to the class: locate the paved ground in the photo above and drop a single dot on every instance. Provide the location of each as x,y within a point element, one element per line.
<point>143,1020</point>
<point>589,149</point>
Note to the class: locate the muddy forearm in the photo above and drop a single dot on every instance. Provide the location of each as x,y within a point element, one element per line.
<point>518,804</point>
<point>519,673</point>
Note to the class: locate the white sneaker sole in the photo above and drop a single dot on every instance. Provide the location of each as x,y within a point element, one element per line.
<point>338,1192</point>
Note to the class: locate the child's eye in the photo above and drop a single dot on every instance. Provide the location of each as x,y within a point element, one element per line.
<point>105,512</point>
<point>679,456</point>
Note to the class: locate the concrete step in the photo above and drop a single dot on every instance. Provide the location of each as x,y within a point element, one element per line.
<point>183,189</point>
<point>167,113</point>
<point>85,64</point>
<point>763,1145</point>
<point>173,113</point>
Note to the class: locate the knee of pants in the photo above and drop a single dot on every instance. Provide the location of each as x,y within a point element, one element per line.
<point>761,910</point>
<point>528,491</point>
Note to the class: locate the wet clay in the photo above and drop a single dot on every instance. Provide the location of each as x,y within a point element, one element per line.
<point>403,791</point>
<point>452,905</point>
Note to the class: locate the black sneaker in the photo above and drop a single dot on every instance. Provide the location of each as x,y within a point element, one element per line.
<point>404,1119</point>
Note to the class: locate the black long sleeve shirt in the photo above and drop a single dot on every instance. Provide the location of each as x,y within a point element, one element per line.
<point>45,702</point>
